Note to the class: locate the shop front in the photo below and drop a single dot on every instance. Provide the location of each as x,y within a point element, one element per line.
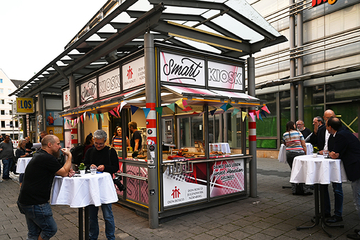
<point>194,135</point>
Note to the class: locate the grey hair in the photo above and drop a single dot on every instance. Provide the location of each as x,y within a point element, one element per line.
<point>20,142</point>
<point>319,119</point>
<point>100,134</point>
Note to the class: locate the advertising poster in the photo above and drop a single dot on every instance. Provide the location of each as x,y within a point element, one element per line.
<point>109,82</point>
<point>133,74</point>
<point>52,118</point>
<point>226,177</point>
<point>185,187</point>
<point>57,131</point>
<point>88,90</point>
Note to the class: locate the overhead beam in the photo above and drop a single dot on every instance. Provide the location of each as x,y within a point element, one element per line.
<point>127,34</point>
<point>57,68</point>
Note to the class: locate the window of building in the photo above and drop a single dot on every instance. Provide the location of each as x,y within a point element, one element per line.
<point>10,91</point>
<point>16,124</point>
<point>1,81</point>
<point>3,124</point>
<point>2,112</point>
<point>2,101</point>
<point>10,112</point>
<point>1,90</point>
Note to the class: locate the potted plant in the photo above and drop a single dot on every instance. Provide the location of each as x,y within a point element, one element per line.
<point>82,168</point>
<point>315,151</point>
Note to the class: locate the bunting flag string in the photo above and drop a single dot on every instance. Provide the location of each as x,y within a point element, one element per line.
<point>82,118</point>
<point>107,116</point>
<point>228,106</point>
<point>187,109</point>
<point>116,110</point>
<point>97,117</point>
<point>92,116</point>
<point>200,114</point>
<point>184,102</point>
<point>212,112</point>
<point>102,117</point>
<point>261,118</point>
<point>243,115</point>
<point>89,114</point>
<point>257,113</point>
<point>146,111</point>
<point>112,113</point>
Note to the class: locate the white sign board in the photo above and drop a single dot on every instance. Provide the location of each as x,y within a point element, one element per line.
<point>66,98</point>
<point>133,73</point>
<point>88,90</point>
<point>225,76</point>
<point>182,69</point>
<point>109,82</point>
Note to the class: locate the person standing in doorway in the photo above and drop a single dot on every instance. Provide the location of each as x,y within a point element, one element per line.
<point>136,139</point>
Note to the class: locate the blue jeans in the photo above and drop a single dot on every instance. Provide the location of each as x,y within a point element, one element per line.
<point>40,221</point>
<point>7,162</point>
<point>355,185</point>
<point>109,222</point>
<point>338,196</point>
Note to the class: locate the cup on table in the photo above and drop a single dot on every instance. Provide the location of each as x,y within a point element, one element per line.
<point>314,155</point>
<point>326,153</point>
<point>93,169</point>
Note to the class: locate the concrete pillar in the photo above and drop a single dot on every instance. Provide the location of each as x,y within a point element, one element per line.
<point>252,128</point>
<point>300,61</point>
<point>151,128</point>
<point>292,61</point>
<point>24,126</point>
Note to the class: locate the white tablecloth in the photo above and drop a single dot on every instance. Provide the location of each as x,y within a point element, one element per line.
<point>282,152</point>
<point>310,170</point>
<point>22,163</point>
<point>222,147</point>
<point>82,191</point>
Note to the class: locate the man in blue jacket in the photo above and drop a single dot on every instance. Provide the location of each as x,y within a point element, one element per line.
<point>347,148</point>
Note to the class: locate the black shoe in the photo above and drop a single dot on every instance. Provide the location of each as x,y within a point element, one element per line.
<point>356,230</point>
<point>334,219</point>
<point>353,236</point>
<point>307,193</point>
<point>327,215</point>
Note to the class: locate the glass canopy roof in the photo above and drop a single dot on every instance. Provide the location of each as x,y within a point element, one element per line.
<point>230,28</point>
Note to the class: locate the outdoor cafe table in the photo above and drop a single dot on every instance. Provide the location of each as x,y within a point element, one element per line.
<point>82,191</point>
<point>317,171</point>
<point>22,163</point>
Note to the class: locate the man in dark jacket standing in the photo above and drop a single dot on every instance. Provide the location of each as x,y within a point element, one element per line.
<point>347,148</point>
<point>106,160</point>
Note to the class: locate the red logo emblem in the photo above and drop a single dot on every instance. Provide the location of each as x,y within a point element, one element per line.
<point>176,193</point>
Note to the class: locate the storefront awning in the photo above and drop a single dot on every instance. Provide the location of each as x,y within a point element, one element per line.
<point>198,96</point>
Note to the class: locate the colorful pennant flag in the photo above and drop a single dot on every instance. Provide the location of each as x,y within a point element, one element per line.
<point>180,103</point>
<point>184,102</point>
<point>112,113</point>
<point>243,115</point>
<point>257,113</point>
<point>252,115</point>
<point>235,112</point>
<point>187,109</point>
<point>261,118</point>
<point>82,118</point>
<point>212,112</point>
<point>263,113</point>
<point>97,117</point>
<point>92,116</point>
<point>146,111</point>
<point>159,110</point>
<point>102,117</point>
<point>228,106</point>
<point>121,105</point>
<point>171,106</point>
<point>265,108</point>
<point>133,109</point>
<point>107,116</point>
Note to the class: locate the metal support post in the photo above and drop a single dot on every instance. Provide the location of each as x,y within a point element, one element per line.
<point>252,129</point>
<point>292,61</point>
<point>300,61</point>
<point>151,128</point>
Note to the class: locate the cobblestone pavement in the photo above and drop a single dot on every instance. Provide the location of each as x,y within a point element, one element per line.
<point>274,214</point>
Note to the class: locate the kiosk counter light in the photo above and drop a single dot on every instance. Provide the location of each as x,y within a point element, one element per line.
<point>25,105</point>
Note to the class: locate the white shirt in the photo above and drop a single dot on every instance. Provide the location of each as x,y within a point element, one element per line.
<point>327,135</point>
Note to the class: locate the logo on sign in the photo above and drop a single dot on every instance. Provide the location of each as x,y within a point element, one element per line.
<point>175,193</point>
<point>89,91</point>
<point>129,73</point>
<point>318,2</point>
<point>187,69</point>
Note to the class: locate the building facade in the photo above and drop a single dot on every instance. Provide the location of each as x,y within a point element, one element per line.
<point>317,69</point>
<point>9,123</point>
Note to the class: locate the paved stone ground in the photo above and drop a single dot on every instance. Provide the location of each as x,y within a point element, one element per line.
<point>274,214</point>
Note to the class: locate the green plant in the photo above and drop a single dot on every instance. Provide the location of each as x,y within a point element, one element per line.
<point>315,150</point>
<point>81,166</point>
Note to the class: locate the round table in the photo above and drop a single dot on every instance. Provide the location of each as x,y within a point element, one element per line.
<point>22,163</point>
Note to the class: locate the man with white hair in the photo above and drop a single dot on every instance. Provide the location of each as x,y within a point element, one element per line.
<point>106,160</point>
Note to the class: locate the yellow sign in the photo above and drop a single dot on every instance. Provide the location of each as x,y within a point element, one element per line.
<point>25,105</point>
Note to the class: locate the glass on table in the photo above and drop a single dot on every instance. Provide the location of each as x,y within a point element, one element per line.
<point>326,153</point>
<point>93,169</point>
